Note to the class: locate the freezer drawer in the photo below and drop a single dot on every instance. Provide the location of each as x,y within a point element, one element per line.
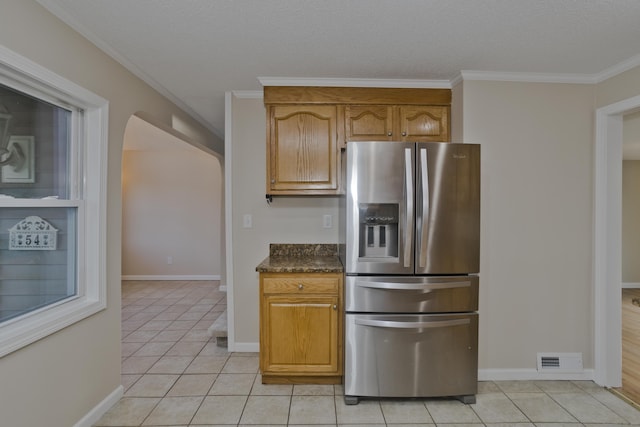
<point>411,355</point>
<point>380,294</point>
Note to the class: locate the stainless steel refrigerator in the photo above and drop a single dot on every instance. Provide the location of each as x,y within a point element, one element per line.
<point>411,254</point>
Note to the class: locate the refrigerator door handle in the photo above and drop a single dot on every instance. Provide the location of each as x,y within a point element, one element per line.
<point>425,206</point>
<point>411,325</point>
<point>408,235</point>
<point>424,287</point>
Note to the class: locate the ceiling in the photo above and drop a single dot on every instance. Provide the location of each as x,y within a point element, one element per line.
<point>194,51</point>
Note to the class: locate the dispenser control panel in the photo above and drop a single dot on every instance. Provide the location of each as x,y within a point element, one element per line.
<point>378,230</point>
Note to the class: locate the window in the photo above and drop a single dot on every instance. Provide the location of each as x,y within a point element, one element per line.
<point>52,202</point>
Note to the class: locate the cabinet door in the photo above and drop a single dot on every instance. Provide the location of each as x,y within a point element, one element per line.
<point>368,123</point>
<point>300,335</point>
<point>302,150</point>
<point>424,123</point>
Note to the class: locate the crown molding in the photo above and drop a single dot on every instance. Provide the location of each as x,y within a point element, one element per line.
<point>378,83</point>
<point>62,15</point>
<point>528,77</point>
<point>248,94</point>
<point>610,72</point>
<point>456,80</point>
<point>468,75</point>
<point>619,68</point>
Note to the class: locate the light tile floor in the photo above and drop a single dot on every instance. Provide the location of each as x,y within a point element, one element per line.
<point>175,375</point>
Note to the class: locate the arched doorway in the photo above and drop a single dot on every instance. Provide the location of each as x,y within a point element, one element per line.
<point>172,201</point>
<point>172,207</point>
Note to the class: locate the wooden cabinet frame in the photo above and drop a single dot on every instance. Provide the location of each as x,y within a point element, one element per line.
<point>414,123</point>
<point>301,328</point>
<point>355,95</point>
<point>309,126</point>
<point>302,149</point>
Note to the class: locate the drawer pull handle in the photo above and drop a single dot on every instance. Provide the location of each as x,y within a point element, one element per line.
<point>411,325</point>
<point>300,286</point>
<point>424,287</point>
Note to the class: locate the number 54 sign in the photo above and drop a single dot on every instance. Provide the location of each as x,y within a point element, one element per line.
<point>33,233</point>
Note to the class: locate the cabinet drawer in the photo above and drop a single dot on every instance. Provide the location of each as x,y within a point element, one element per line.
<point>419,294</point>
<point>301,284</point>
<point>405,355</point>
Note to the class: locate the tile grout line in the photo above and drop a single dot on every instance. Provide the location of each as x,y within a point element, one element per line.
<point>174,343</point>
<point>181,296</point>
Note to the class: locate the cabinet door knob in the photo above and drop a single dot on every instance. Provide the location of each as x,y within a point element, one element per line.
<point>335,307</point>
<point>273,181</point>
<point>300,286</point>
<point>404,134</point>
<point>389,133</point>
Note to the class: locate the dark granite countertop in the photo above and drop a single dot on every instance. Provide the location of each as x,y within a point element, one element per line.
<point>301,258</point>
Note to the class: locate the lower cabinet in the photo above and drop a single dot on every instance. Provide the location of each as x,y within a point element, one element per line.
<point>301,328</point>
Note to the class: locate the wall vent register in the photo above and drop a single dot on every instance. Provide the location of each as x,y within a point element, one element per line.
<point>560,362</point>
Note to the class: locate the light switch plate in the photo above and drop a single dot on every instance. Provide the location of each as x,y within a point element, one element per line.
<point>247,221</point>
<point>326,221</point>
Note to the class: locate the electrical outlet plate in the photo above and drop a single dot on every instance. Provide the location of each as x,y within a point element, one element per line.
<point>326,221</point>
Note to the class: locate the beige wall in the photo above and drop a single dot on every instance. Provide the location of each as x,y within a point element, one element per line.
<point>631,221</point>
<point>631,199</point>
<point>286,220</point>
<point>536,217</point>
<point>457,112</point>
<point>171,205</point>
<point>57,380</point>
<point>536,227</point>
<point>623,86</point>
<point>631,129</point>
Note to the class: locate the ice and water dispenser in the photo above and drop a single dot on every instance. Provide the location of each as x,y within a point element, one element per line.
<point>378,230</point>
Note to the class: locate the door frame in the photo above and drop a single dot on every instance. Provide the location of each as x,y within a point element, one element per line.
<point>607,245</point>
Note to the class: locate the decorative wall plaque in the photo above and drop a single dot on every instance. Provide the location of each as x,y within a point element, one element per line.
<point>33,233</point>
<point>21,166</point>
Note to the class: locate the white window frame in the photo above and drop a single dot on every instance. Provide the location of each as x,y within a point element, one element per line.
<point>24,75</point>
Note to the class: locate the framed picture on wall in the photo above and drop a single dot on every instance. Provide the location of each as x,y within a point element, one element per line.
<point>21,167</point>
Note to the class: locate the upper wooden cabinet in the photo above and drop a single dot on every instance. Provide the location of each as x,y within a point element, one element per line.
<point>423,123</point>
<point>302,149</point>
<point>307,127</point>
<point>419,123</point>
<point>368,122</point>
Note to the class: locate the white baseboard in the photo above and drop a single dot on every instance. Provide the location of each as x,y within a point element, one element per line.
<point>167,277</point>
<point>630,285</point>
<point>483,374</point>
<point>531,374</point>
<point>101,408</point>
<point>244,347</point>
